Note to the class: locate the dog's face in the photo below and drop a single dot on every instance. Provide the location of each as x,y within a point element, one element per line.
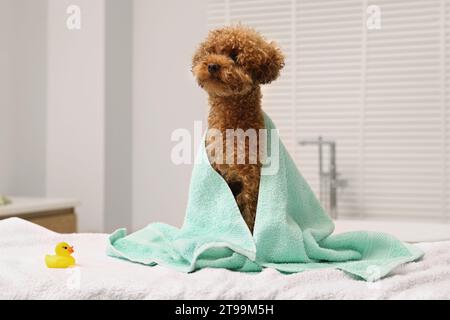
<point>233,60</point>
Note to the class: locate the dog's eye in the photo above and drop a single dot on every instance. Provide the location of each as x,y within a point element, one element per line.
<point>233,56</point>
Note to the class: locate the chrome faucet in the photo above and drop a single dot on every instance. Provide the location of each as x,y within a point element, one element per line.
<point>328,180</point>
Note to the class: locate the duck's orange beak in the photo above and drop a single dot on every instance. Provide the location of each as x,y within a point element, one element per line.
<point>70,249</point>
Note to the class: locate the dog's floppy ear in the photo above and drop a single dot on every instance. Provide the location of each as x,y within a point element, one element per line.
<point>270,66</point>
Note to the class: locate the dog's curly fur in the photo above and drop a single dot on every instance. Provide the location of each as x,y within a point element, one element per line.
<point>230,65</point>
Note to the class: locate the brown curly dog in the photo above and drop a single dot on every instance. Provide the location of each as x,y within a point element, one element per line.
<point>230,65</point>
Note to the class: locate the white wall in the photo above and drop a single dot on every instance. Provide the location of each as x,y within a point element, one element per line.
<point>89,111</point>
<point>30,88</point>
<point>6,96</point>
<point>76,109</point>
<point>102,112</point>
<point>118,115</point>
<point>165,97</point>
<point>23,52</point>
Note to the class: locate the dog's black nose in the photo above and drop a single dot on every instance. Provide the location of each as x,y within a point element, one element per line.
<point>213,67</point>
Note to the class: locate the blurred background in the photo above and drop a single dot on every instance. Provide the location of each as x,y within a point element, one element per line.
<point>87,106</point>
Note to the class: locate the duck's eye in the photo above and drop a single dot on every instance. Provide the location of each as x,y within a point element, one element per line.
<point>65,248</point>
<point>233,56</point>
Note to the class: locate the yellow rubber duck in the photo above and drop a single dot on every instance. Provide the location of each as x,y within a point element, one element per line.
<point>63,258</point>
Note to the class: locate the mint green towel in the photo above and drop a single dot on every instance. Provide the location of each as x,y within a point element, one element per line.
<point>292,232</point>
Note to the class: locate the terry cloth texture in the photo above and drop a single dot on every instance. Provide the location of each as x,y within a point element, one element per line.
<point>292,232</point>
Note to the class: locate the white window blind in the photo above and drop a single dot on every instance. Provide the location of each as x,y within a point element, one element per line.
<point>383,96</point>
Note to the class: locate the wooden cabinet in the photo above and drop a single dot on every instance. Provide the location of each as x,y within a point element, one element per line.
<point>55,214</point>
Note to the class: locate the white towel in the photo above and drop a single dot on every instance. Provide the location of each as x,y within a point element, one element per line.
<point>23,275</point>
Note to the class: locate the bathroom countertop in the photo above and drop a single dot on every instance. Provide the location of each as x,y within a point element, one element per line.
<point>408,230</point>
<point>23,205</point>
